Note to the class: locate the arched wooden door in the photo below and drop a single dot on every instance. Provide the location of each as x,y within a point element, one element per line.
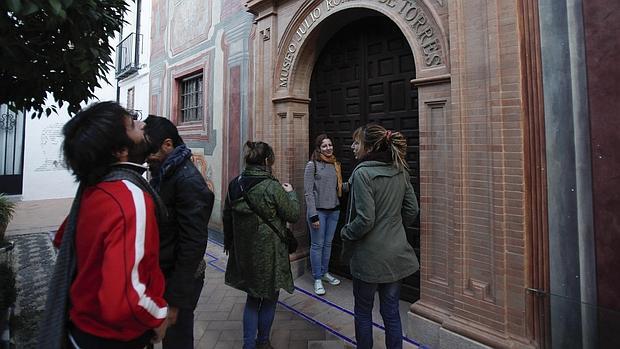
<point>363,75</point>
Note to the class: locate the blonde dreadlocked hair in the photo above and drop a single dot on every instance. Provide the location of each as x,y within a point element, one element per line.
<point>375,138</point>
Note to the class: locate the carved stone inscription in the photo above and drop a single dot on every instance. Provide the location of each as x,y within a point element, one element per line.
<point>410,10</point>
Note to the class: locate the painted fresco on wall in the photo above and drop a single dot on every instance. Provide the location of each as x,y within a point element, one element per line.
<point>51,140</point>
<point>212,38</point>
<point>185,32</point>
<point>206,171</point>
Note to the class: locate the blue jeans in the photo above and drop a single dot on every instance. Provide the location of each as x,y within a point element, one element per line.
<point>258,317</point>
<point>389,295</point>
<point>321,242</point>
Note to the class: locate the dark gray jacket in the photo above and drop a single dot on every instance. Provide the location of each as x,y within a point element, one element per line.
<point>183,237</point>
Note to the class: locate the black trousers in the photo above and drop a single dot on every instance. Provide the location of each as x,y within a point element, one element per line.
<point>82,340</point>
<point>181,334</point>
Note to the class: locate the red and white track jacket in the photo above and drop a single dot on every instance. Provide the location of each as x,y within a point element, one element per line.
<point>118,289</point>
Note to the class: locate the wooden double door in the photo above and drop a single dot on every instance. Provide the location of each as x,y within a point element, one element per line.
<point>363,75</point>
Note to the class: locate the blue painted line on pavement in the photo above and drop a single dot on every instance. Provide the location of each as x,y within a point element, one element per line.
<point>308,318</point>
<point>216,242</point>
<point>405,338</point>
<point>214,259</point>
<point>338,334</point>
<point>325,301</point>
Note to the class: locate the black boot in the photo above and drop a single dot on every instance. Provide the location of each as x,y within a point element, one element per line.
<point>265,345</point>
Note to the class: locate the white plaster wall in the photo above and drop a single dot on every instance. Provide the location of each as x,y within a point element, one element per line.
<point>140,82</point>
<point>141,95</point>
<point>45,176</point>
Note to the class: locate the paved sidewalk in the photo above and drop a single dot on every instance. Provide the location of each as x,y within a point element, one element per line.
<point>303,320</point>
<point>38,216</point>
<point>218,317</point>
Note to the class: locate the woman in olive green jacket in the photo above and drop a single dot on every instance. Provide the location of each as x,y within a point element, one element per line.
<point>382,203</point>
<point>258,261</point>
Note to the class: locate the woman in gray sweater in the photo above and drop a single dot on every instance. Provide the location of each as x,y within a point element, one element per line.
<point>322,188</point>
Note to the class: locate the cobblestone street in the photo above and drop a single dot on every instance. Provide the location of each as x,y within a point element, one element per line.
<point>34,263</point>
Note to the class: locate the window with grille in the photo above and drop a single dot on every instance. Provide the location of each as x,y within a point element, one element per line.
<point>191,98</point>
<point>130,98</point>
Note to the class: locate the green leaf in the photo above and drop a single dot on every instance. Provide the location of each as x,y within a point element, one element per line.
<point>14,5</point>
<point>56,6</point>
<point>29,8</point>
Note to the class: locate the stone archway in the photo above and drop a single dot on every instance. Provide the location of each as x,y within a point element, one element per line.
<point>417,21</point>
<point>285,100</point>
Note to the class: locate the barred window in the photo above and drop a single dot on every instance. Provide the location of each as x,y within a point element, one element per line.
<point>191,98</point>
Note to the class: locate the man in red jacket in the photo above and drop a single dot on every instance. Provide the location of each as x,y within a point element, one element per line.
<point>107,279</point>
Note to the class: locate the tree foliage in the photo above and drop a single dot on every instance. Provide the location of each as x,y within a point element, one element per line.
<point>56,46</point>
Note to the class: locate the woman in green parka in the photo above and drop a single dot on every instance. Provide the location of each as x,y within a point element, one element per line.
<point>258,261</point>
<point>381,204</point>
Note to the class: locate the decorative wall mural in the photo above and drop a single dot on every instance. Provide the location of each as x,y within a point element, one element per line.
<point>51,140</point>
<point>202,165</point>
<point>185,33</point>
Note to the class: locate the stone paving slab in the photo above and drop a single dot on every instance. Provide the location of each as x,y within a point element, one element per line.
<point>38,216</point>
<point>331,315</point>
<point>219,314</point>
<point>335,310</point>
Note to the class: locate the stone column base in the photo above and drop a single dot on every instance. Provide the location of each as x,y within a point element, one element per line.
<point>298,266</point>
<point>430,334</point>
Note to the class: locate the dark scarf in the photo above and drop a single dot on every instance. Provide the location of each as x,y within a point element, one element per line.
<point>178,155</point>
<point>53,328</point>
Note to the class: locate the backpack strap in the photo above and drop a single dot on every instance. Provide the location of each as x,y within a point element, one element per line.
<point>253,208</point>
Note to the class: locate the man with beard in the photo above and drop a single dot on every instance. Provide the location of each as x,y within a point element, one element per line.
<point>107,288</point>
<point>183,238</point>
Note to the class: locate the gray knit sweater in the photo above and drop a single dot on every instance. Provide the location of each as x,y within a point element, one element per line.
<point>320,189</point>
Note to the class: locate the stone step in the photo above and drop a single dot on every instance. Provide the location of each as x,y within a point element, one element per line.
<point>326,345</point>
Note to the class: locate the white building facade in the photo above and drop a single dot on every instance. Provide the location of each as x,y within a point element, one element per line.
<point>31,164</point>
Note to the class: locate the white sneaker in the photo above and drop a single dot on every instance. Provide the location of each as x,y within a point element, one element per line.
<point>318,287</point>
<point>329,278</point>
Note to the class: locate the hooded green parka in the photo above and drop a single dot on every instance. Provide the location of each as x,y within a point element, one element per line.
<point>382,203</point>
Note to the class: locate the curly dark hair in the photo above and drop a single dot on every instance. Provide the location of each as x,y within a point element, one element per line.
<point>92,137</point>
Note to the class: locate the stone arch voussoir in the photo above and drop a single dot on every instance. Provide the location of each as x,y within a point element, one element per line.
<point>417,20</point>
